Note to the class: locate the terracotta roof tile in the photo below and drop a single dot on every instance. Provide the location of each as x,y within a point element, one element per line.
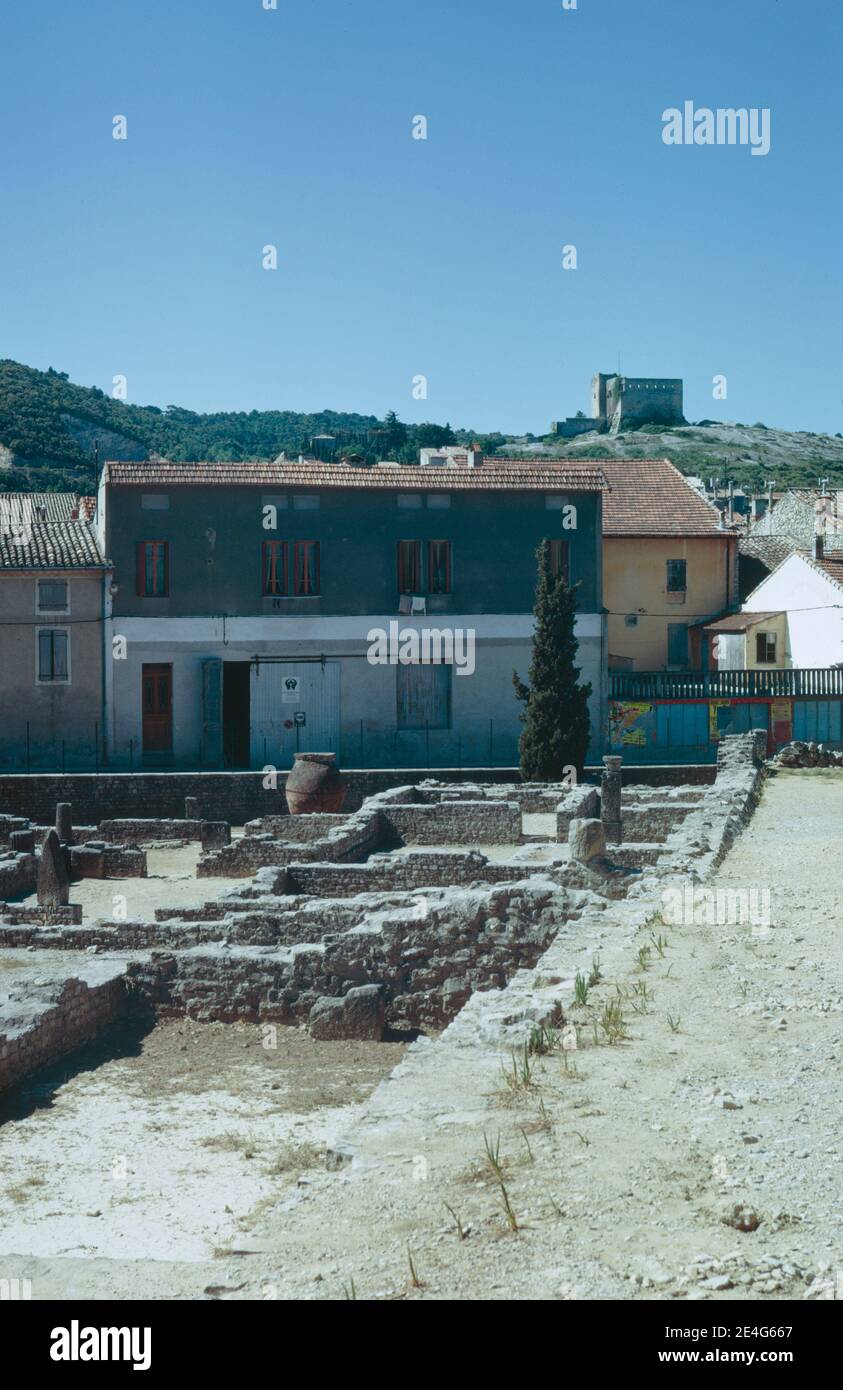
<point>739,622</point>
<point>772,551</point>
<point>833,568</point>
<point>650,497</point>
<point>495,475</point>
<point>51,537</point>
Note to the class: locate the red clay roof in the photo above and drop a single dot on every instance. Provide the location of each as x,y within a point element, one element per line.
<point>739,622</point>
<point>833,568</point>
<point>650,497</point>
<point>495,475</point>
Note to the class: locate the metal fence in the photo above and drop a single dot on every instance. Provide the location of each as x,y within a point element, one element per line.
<point>702,685</point>
<point>359,744</point>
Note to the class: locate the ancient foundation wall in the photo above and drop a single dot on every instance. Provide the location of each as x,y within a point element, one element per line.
<point>41,1023</point>
<point>17,875</point>
<point>241,796</point>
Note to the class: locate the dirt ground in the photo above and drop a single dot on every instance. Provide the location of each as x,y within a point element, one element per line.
<point>688,1148</point>
<point>166,1147</point>
<point>171,882</point>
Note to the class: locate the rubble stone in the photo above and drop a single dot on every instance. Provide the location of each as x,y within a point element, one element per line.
<point>587,840</point>
<point>53,885</point>
<point>358,1014</point>
<point>64,822</point>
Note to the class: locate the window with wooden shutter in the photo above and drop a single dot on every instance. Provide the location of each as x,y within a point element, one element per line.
<point>153,569</point>
<point>409,567</point>
<point>274,568</point>
<point>439,567</point>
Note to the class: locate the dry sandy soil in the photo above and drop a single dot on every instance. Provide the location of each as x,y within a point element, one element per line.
<point>171,882</point>
<point>156,1154</point>
<point>688,1148</point>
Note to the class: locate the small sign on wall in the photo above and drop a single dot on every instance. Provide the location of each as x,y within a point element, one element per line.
<point>290,690</point>
<point>300,718</point>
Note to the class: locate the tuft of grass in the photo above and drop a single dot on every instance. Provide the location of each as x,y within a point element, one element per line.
<point>22,1191</point>
<point>520,1076</point>
<point>295,1158</point>
<point>511,1218</point>
<point>349,1292</point>
<point>229,1142</point>
<point>643,957</point>
<point>674,1024</point>
<point>461,1230</point>
<point>493,1156</point>
<point>580,989</point>
<point>415,1281</point>
<point>543,1040</point>
<point>660,943</point>
<point>640,997</point>
<point>596,973</point>
<point>530,1154</point>
<point>612,1022</point>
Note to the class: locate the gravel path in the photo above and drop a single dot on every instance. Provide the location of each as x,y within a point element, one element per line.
<point>631,1172</point>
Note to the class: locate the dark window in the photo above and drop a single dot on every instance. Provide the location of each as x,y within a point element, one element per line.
<point>306,568</point>
<point>439,567</point>
<point>409,567</point>
<point>52,595</point>
<point>153,569</point>
<point>677,576</point>
<point>52,654</point>
<point>560,560</point>
<point>765,648</point>
<point>677,644</point>
<point>424,696</point>
<point>274,568</point>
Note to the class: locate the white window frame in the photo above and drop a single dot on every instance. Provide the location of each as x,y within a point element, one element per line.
<point>43,680</point>
<point>49,612</point>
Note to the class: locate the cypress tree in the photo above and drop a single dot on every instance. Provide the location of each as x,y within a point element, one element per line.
<point>555,717</point>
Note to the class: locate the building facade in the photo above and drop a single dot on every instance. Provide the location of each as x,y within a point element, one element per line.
<point>669,566</point>
<point>263,609</point>
<point>53,580</point>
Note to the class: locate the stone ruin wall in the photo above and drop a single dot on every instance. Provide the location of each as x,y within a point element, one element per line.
<point>274,951</point>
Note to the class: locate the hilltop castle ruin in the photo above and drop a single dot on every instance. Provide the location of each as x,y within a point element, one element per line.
<point>619,402</point>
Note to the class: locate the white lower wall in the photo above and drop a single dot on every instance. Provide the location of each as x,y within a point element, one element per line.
<point>484,709</point>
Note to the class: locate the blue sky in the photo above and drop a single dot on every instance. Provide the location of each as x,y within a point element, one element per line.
<point>442,257</point>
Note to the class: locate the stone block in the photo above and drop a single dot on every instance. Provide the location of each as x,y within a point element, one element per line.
<point>64,822</point>
<point>214,834</point>
<point>52,883</point>
<point>586,840</point>
<point>357,1015</point>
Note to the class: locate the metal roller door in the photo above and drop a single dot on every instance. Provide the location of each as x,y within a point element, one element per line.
<point>295,708</point>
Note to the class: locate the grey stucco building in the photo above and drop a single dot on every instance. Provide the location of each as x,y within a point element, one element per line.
<point>263,609</point>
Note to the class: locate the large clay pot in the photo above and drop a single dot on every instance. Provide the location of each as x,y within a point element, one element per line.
<point>314,785</point>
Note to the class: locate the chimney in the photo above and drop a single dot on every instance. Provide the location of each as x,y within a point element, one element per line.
<point>818,546</point>
<point>731,502</point>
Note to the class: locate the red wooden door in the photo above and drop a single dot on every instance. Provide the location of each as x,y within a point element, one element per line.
<point>157,700</point>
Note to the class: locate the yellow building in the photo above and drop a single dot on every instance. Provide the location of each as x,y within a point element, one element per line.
<point>670,566</point>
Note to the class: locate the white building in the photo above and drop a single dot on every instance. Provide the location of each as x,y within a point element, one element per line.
<point>809,591</point>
